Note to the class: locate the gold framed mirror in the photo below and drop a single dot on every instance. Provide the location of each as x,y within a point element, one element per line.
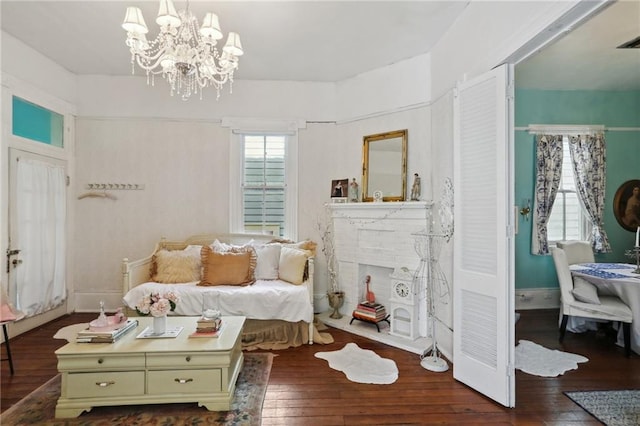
<point>384,166</point>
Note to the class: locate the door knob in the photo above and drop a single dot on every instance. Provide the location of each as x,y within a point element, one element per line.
<point>16,262</point>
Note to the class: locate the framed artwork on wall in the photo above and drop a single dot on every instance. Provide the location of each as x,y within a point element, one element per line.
<point>626,205</point>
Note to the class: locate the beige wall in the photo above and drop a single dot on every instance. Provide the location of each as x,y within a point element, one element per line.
<point>180,152</point>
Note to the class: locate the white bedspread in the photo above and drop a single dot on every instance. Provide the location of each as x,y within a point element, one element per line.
<point>263,300</point>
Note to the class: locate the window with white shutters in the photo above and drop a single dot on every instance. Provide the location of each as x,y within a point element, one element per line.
<point>264,184</point>
<point>567,220</point>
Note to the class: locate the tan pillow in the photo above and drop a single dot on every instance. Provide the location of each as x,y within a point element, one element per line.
<point>176,266</point>
<point>234,267</point>
<point>292,265</point>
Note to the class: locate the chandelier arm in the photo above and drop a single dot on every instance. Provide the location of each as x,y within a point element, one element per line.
<point>149,68</point>
<point>204,80</point>
<point>224,78</point>
<point>149,58</point>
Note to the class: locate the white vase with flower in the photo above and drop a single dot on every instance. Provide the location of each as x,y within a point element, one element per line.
<point>158,305</point>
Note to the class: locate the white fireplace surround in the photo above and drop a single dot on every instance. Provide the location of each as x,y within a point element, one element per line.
<point>375,239</point>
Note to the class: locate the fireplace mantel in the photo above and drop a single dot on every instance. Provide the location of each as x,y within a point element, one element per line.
<point>376,239</point>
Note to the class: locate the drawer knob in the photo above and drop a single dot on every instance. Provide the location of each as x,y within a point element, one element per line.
<point>183,381</point>
<point>100,360</point>
<point>188,358</point>
<point>105,384</point>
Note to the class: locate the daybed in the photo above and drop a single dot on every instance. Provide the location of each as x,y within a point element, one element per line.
<point>278,304</point>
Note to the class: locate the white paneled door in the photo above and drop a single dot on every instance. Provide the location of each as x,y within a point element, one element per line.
<point>483,346</point>
<point>36,259</point>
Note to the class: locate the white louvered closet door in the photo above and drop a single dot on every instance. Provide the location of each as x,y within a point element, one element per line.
<point>483,282</point>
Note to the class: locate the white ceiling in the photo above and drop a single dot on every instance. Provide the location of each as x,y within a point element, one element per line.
<point>282,40</point>
<point>587,57</point>
<point>324,40</point>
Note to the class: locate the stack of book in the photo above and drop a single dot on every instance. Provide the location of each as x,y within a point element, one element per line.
<point>367,311</point>
<point>207,327</point>
<point>89,336</point>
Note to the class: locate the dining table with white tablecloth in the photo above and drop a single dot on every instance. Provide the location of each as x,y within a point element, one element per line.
<point>618,279</point>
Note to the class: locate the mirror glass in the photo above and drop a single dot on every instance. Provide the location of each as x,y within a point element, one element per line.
<point>384,166</point>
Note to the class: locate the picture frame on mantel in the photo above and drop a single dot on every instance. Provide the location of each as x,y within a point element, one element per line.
<point>339,190</point>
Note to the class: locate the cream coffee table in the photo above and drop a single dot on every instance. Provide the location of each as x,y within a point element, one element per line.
<point>152,371</point>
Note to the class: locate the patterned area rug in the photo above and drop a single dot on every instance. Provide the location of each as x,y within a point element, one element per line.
<point>38,408</point>
<point>613,408</point>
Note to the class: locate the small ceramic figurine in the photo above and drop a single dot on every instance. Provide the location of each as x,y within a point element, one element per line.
<point>354,195</point>
<point>415,189</point>
<point>371,298</point>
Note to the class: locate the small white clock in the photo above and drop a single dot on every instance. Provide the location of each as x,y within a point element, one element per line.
<point>401,289</point>
<point>377,196</point>
<point>404,309</point>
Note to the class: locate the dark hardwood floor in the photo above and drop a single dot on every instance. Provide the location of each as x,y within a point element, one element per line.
<point>304,391</point>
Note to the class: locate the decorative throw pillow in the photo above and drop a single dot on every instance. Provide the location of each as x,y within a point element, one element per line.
<point>177,266</point>
<point>268,261</point>
<point>219,246</point>
<point>302,245</point>
<point>584,291</point>
<point>233,267</point>
<point>292,264</point>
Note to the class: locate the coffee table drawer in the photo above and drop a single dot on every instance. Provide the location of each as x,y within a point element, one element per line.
<point>184,381</point>
<point>186,360</point>
<point>100,362</point>
<point>89,385</point>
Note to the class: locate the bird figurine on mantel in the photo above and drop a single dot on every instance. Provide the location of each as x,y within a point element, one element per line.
<point>371,298</point>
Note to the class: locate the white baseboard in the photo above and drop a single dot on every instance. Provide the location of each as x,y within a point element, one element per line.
<point>90,302</point>
<point>537,298</point>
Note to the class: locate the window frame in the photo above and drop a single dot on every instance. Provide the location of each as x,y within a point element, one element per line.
<point>54,127</point>
<point>561,197</point>
<point>236,205</point>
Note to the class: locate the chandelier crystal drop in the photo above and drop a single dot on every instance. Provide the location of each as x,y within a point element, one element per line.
<point>184,52</point>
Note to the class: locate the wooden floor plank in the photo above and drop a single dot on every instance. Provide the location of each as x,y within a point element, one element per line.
<point>303,390</point>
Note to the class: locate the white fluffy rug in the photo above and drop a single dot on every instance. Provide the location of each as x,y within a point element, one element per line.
<point>540,361</point>
<point>70,332</point>
<point>361,365</point>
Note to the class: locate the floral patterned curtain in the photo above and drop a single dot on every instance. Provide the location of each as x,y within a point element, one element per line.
<point>588,159</point>
<point>548,174</point>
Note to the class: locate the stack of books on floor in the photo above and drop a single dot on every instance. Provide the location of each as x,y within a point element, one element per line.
<point>89,336</point>
<point>367,311</point>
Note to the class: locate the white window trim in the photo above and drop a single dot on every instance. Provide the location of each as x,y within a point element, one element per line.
<point>566,131</point>
<point>240,127</point>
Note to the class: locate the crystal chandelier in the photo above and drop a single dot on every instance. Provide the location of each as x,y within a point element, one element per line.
<point>184,52</point>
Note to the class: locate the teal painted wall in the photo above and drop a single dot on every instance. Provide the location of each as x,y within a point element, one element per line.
<point>612,109</point>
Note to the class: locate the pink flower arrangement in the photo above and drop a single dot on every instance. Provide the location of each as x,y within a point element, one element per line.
<point>157,304</point>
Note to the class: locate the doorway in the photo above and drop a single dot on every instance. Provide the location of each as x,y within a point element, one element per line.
<point>36,256</point>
